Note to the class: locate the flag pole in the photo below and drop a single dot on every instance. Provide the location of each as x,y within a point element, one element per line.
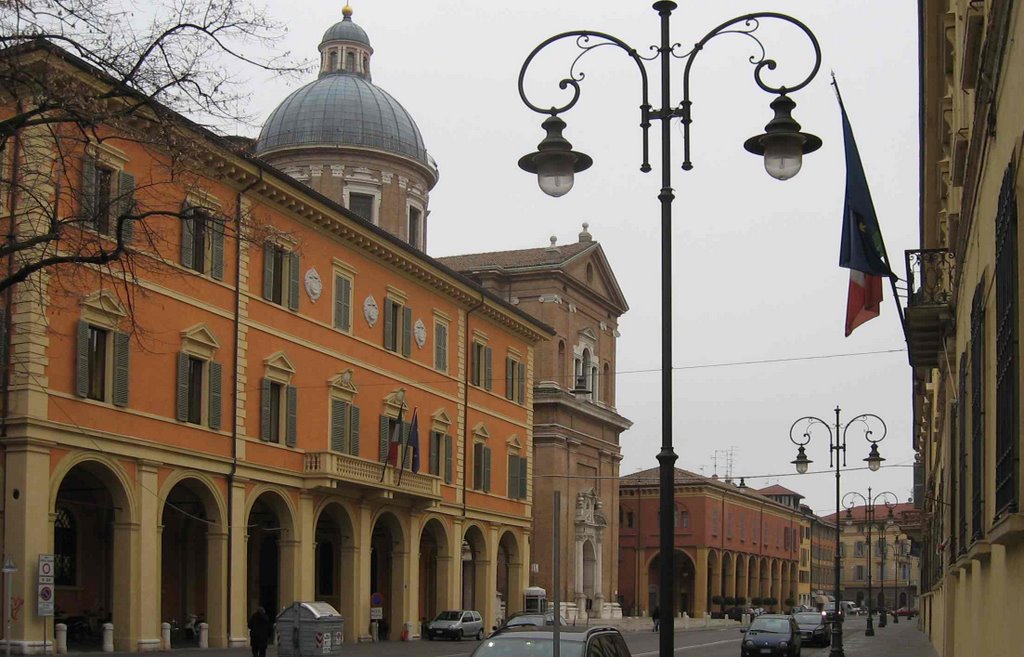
<point>893,278</point>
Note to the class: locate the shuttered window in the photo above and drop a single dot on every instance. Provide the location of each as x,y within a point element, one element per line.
<point>102,364</point>
<point>344,427</point>
<point>281,276</point>
<point>106,196</point>
<point>482,366</point>
<point>202,242</point>
<point>278,412</point>
<point>517,477</point>
<point>441,347</point>
<point>448,459</point>
<point>1007,447</point>
<point>397,327</point>
<point>199,389</point>
<point>515,380</point>
<point>342,302</point>
<point>482,467</point>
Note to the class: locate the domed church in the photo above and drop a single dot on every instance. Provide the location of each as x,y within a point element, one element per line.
<point>350,140</point>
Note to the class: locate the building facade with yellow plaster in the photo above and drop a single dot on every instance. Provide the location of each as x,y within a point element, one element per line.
<point>964,323</point>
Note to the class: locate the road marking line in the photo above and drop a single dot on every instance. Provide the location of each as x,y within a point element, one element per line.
<point>699,645</point>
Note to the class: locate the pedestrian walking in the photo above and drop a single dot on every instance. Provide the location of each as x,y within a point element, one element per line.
<point>655,617</point>
<point>259,632</point>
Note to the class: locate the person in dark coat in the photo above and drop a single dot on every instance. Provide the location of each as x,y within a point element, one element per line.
<point>655,616</point>
<point>260,628</point>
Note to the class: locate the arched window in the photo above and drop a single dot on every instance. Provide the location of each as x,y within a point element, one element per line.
<point>350,62</point>
<point>684,519</point>
<point>590,273</point>
<point>65,548</point>
<point>607,391</point>
<point>334,60</point>
<point>366,65</point>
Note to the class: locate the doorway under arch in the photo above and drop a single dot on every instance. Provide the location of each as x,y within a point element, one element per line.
<point>682,582</point>
<point>435,569</point>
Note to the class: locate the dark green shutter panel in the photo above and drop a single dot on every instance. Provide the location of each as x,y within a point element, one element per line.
<point>342,302</point>
<point>447,459</point>
<point>510,366</point>
<point>488,368</point>
<point>82,369</point>
<point>120,393</point>
<point>293,281</point>
<point>126,203</point>
<point>441,348</point>
<point>217,248</point>
<point>406,331</point>
<point>513,476</point>
<point>385,424</point>
<point>181,390</point>
<point>487,469</point>
<point>268,271</point>
<point>435,453</point>
<point>265,410</point>
<point>339,410</point>
<point>291,428</point>
<point>522,477</point>
<point>389,325</point>
<point>3,340</point>
<point>404,453</point>
<point>478,465</point>
<point>188,233</point>
<point>215,394</point>
<point>88,195</point>
<point>353,431</point>
<point>522,383</point>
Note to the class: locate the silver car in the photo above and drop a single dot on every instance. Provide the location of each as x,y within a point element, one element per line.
<point>456,624</point>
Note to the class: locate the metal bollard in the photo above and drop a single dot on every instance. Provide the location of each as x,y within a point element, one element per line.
<point>108,637</point>
<point>204,635</point>
<point>60,634</point>
<point>165,636</point>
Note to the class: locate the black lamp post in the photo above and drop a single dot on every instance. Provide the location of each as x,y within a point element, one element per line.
<point>555,163</point>
<point>800,434</point>
<point>869,518</point>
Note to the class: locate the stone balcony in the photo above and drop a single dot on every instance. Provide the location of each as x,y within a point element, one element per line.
<point>333,470</point>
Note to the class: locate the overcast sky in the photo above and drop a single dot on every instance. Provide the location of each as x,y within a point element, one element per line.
<point>755,275</point>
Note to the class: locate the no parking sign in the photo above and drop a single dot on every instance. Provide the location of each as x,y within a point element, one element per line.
<point>45,593</point>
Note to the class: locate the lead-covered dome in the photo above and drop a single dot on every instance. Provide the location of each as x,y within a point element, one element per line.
<point>346,30</point>
<point>343,109</point>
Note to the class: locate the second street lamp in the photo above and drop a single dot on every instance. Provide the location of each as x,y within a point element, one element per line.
<point>800,435</point>
<point>555,163</point>
<point>869,519</point>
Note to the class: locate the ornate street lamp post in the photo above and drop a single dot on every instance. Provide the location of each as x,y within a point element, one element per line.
<point>554,162</point>
<point>800,435</point>
<point>869,517</point>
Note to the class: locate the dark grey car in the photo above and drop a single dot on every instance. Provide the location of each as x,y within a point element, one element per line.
<point>814,628</point>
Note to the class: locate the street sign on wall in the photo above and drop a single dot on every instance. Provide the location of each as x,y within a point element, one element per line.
<point>45,593</point>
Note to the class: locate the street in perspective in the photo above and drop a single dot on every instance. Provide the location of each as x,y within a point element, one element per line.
<point>706,342</point>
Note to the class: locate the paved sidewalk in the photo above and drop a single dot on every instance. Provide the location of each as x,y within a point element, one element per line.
<point>901,639</point>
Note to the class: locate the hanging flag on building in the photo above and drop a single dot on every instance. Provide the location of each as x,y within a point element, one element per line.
<point>393,442</point>
<point>412,442</point>
<point>861,249</point>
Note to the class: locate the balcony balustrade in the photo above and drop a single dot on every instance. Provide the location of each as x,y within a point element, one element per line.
<point>343,469</point>
<point>929,315</point>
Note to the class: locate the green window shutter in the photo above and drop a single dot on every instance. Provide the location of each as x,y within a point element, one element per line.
<point>513,476</point>
<point>478,465</point>
<point>441,347</point>
<point>268,271</point>
<point>385,424</point>
<point>217,248</point>
<point>87,202</point>
<point>353,431</point>
<point>342,302</point>
<point>510,366</point>
<point>475,364</point>
<point>82,360</point>
<point>522,383</point>
<point>403,452</point>
<point>522,477</point>
<point>291,421</point>
<point>447,459</point>
<point>488,368</point>
<point>120,392</point>
<point>3,339</point>
<point>487,469</point>
<point>126,203</point>
<point>406,331</point>
<point>435,453</point>
<point>339,411</point>
<point>265,410</point>
<point>181,396</point>
<point>389,325</point>
<point>215,394</point>
<point>293,281</point>
<point>188,233</point>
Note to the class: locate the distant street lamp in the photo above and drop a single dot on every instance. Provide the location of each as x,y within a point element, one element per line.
<point>782,146</point>
<point>869,517</point>
<point>800,434</point>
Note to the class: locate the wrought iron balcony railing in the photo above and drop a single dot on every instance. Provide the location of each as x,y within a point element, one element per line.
<point>930,275</point>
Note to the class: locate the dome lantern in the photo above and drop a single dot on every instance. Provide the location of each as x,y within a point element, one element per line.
<point>345,48</point>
